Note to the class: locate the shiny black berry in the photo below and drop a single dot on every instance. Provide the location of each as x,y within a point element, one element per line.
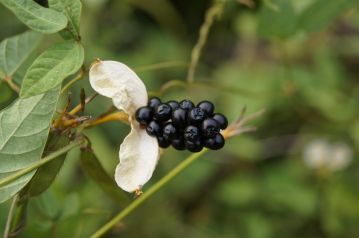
<point>206,106</point>
<point>173,104</point>
<point>179,117</point>
<point>169,131</point>
<point>163,112</point>
<point>191,133</point>
<point>154,102</point>
<point>178,143</point>
<point>221,119</point>
<point>194,146</point>
<point>196,115</point>
<point>215,143</point>
<point>163,142</point>
<point>210,127</point>
<point>144,115</point>
<point>186,104</point>
<point>154,129</point>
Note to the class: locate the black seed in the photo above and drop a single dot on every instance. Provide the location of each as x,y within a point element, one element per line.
<point>179,117</point>
<point>163,142</point>
<point>194,146</point>
<point>170,131</point>
<point>196,115</point>
<point>163,112</point>
<point>186,104</point>
<point>144,115</point>
<point>173,104</point>
<point>221,119</point>
<point>215,143</point>
<point>154,102</point>
<point>191,133</point>
<point>206,106</point>
<point>209,127</point>
<point>153,129</point>
<point>178,143</point>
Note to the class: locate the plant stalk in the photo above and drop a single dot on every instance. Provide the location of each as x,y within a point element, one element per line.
<point>41,162</point>
<point>151,191</point>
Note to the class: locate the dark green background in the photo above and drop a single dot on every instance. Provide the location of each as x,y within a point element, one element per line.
<point>297,59</point>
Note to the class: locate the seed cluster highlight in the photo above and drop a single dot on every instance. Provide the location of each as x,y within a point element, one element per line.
<point>183,125</point>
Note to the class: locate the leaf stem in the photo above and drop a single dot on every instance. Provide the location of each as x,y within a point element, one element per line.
<point>11,84</point>
<point>151,191</point>
<point>162,65</point>
<point>41,162</point>
<point>211,14</point>
<point>74,80</point>
<point>9,217</point>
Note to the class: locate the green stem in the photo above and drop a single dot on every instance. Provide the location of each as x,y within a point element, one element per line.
<point>162,65</point>
<point>74,80</point>
<point>152,190</point>
<point>9,217</point>
<point>41,162</point>
<point>211,14</point>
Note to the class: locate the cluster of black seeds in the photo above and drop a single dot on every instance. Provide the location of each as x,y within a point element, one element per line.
<point>182,124</point>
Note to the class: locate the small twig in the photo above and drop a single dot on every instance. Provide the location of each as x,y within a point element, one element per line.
<point>211,14</point>
<point>41,162</point>
<point>80,75</point>
<point>116,116</point>
<point>11,84</point>
<point>183,84</point>
<point>78,108</point>
<point>162,65</point>
<point>9,217</point>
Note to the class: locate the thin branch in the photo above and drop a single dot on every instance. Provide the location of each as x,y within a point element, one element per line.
<point>11,84</point>
<point>79,107</point>
<point>41,162</point>
<point>211,14</point>
<point>157,186</point>
<point>162,65</point>
<point>74,80</point>
<point>116,116</point>
<point>9,217</point>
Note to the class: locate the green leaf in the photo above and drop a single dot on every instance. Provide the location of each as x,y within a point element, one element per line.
<point>72,10</point>
<point>278,20</point>
<point>15,50</point>
<point>52,67</point>
<point>46,174</point>
<point>24,128</point>
<point>93,168</point>
<point>36,17</point>
<point>322,12</point>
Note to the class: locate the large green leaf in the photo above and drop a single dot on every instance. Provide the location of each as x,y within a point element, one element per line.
<point>46,174</point>
<point>36,17</point>
<point>24,128</point>
<point>72,10</point>
<point>278,20</point>
<point>322,12</point>
<point>15,50</point>
<point>93,168</point>
<point>52,67</point>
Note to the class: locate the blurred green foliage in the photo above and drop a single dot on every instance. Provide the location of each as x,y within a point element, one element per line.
<point>297,59</point>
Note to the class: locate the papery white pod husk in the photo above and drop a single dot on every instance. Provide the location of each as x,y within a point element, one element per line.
<point>117,81</point>
<point>139,152</point>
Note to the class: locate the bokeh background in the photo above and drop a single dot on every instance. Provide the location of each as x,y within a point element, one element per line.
<point>296,176</point>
